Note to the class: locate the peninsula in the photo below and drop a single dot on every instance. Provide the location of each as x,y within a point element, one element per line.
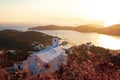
<point>110,30</point>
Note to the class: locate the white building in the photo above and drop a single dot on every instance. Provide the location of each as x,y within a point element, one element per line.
<point>11,51</point>
<point>53,55</point>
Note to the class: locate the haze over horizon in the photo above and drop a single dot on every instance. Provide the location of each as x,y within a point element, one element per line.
<point>60,12</point>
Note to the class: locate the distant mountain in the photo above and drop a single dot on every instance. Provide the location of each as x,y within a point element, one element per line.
<point>82,28</point>
<point>95,26</point>
<point>18,40</point>
<point>52,27</point>
<point>114,27</point>
<point>110,30</point>
<point>86,28</point>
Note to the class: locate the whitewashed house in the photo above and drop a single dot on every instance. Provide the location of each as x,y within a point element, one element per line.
<point>37,48</point>
<point>11,51</point>
<point>53,56</point>
<point>88,45</point>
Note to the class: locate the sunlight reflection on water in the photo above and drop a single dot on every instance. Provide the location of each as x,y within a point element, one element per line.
<point>76,38</point>
<point>109,42</point>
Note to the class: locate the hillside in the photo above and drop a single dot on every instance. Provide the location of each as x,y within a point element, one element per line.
<point>21,42</point>
<point>110,30</point>
<point>113,30</point>
<point>13,39</point>
<point>52,27</point>
<point>94,64</point>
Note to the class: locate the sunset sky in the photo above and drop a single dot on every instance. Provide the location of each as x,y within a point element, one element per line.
<point>63,12</point>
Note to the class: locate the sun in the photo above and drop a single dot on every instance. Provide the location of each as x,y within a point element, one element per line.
<point>106,11</point>
<point>110,22</point>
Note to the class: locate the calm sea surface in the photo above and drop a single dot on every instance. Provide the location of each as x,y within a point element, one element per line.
<point>76,38</point>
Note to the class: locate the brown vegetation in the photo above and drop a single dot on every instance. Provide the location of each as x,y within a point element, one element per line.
<point>94,64</point>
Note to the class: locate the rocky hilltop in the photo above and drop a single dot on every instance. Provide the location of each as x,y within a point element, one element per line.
<point>96,63</point>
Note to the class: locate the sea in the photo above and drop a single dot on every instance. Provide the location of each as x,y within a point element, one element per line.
<point>77,38</point>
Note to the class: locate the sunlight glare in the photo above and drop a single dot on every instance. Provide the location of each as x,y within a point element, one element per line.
<point>106,10</point>
<point>107,41</point>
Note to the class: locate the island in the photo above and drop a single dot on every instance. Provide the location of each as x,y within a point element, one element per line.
<point>110,30</point>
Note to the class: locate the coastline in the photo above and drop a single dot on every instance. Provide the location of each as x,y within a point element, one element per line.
<point>111,30</point>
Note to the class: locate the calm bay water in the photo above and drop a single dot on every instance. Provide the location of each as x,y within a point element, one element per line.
<point>76,38</point>
<point>12,27</point>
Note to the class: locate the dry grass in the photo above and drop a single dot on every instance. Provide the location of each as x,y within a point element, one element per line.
<point>82,65</point>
